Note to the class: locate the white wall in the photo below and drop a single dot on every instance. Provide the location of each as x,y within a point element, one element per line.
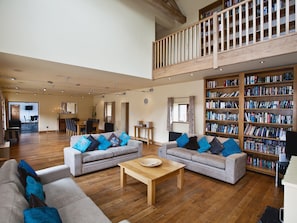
<point>156,109</point>
<point>108,35</point>
<point>49,107</point>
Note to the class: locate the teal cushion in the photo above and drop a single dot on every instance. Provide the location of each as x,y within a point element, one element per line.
<point>182,140</point>
<point>104,144</point>
<point>34,187</point>
<point>230,147</point>
<point>203,144</point>
<point>82,144</point>
<point>124,137</point>
<point>26,166</point>
<point>42,215</point>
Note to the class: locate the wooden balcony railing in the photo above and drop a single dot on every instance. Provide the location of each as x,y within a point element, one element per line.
<point>246,23</point>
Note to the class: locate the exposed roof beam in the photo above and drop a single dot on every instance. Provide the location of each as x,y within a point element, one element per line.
<point>170,8</point>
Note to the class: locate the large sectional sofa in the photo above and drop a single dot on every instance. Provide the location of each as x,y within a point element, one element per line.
<point>90,161</point>
<point>228,169</point>
<point>61,193</point>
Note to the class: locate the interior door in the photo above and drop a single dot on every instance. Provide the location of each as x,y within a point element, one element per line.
<point>125,117</point>
<point>15,112</point>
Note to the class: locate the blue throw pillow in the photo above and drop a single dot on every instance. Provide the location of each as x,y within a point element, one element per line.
<point>230,147</point>
<point>104,143</point>
<point>26,166</point>
<point>203,144</point>
<point>34,187</point>
<point>42,215</point>
<point>124,137</point>
<point>82,144</point>
<point>182,140</point>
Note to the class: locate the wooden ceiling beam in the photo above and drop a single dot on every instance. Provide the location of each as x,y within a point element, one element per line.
<point>170,8</point>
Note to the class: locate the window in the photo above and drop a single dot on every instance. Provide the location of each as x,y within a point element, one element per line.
<point>180,110</point>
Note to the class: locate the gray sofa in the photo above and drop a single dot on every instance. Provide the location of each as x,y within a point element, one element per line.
<point>228,169</point>
<point>61,192</point>
<point>82,163</point>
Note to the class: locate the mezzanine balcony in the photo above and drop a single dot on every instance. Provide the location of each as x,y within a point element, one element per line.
<point>250,30</point>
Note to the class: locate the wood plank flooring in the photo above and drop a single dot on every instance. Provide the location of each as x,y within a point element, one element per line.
<point>202,200</point>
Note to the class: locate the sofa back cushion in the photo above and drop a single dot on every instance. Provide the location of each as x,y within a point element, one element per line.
<point>12,204</point>
<point>9,174</point>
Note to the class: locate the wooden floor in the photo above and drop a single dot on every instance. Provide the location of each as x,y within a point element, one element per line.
<point>202,199</point>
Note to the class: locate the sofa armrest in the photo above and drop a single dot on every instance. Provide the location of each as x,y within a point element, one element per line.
<point>51,174</point>
<point>73,159</point>
<point>236,166</point>
<point>162,151</point>
<point>136,143</point>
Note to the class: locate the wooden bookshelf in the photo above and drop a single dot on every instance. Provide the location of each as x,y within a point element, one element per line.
<point>263,110</point>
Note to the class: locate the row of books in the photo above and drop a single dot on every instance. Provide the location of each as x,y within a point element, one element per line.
<point>221,104</point>
<point>210,115</point>
<point>216,94</point>
<point>227,83</point>
<point>265,146</point>
<point>268,104</point>
<point>228,129</point>
<point>258,162</point>
<point>267,91</point>
<point>266,117</point>
<point>254,79</point>
<point>263,131</point>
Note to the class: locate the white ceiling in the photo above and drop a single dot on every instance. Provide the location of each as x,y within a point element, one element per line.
<point>33,75</point>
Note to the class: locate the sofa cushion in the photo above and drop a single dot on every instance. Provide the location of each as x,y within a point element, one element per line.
<point>82,210</point>
<point>23,174</point>
<point>210,159</point>
<point>82,144</point>
<point>114,140</point>
<point>122,150</point>
<point>35,202</point>
<point>42,214</point>
<point>63,192</point>
<point>96,155</point>
<point>181,152</point>
<point>104,143</point>
<point>12,203</point>
<point>203,145</point>
<point>34,187</point>
<point>230,147</point>
<point>182,140</point>
<point>26,166</point>
<point>192,144</point>
<point>94,143</point>
<point>216,146</point>
<point>9,173</point>
<point>124,137</point>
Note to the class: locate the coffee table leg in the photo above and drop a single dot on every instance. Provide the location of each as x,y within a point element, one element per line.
<point>123,177</point>
<point>151,192</point>
<point>180,178</point>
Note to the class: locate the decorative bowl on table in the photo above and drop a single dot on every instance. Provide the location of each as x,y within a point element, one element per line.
<point>150,162</point>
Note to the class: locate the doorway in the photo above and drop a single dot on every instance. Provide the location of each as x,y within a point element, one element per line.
<point>125,117</point>
<point>14,112</point>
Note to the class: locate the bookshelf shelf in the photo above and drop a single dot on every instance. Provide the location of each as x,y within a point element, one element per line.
<point>261,109</point>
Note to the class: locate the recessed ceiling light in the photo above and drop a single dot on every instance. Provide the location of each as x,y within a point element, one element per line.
<point>221,69</point>
<point>44,89</point>
<point>17,88</point>
<point>77,85</point>
<point>262,61</point>
<point>62,91</point>
<point>13,78</point>
<point>50,82</point>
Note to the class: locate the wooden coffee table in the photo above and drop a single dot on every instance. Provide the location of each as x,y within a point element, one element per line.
<point>151,176</point>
